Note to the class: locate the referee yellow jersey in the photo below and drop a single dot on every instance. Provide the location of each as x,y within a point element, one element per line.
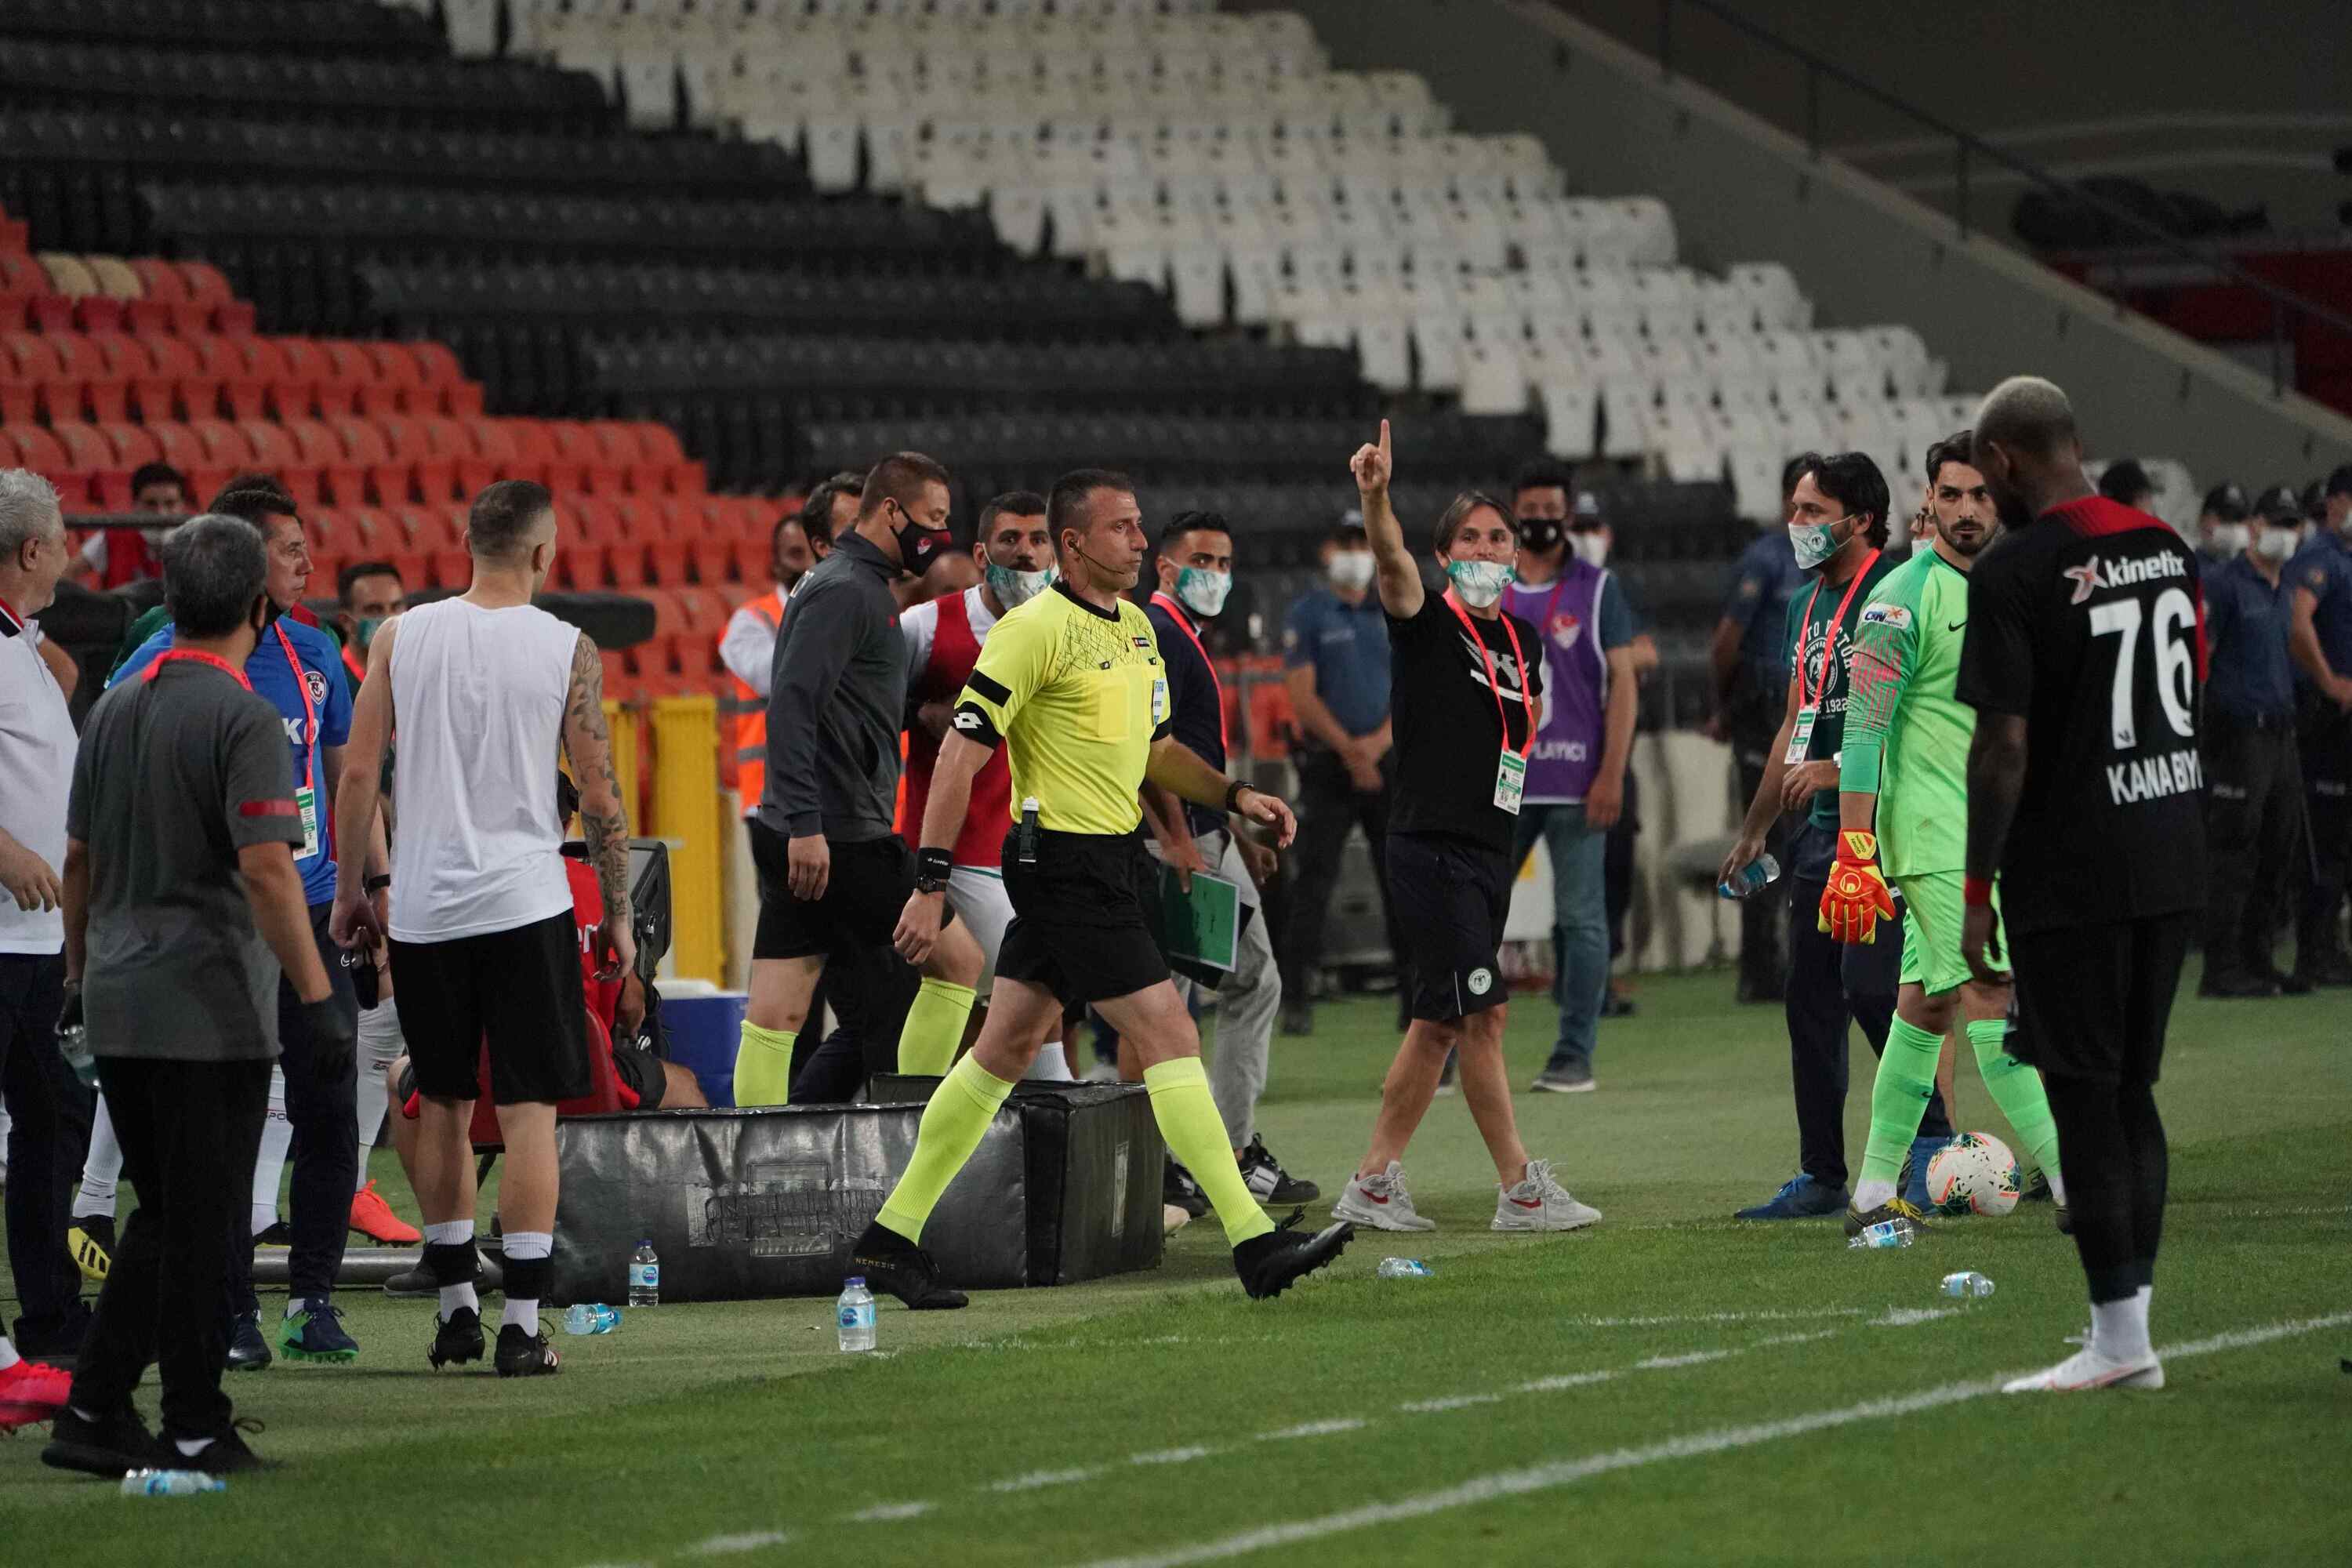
<point>1079,694</point>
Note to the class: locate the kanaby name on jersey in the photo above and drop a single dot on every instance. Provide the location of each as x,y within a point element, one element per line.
<point>2095,575</point>
<point>2173,772</point>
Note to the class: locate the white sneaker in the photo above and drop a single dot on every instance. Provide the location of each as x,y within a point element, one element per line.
<point>1381,1201</point>
<point>1101,1072</point>
<point>1539,1203</point>
<point>2086,1368</point>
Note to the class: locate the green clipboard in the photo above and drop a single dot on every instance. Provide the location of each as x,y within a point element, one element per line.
<point>1203,926</point>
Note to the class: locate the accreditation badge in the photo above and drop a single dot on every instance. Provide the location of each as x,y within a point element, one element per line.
<point>306,803</point>
<point>1801,737</point>
<point>1511,782</point>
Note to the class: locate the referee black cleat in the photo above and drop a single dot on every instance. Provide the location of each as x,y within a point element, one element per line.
<point>108,1445</point>
<point>890,1262</point>
<point>522,1354</point>
<point>1270,1263</point>
<point>457,1338</point>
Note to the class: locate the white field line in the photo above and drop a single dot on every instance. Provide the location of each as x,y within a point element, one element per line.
<point>1715,1440</point>
<point>1767,1316</point>
<point>750,1540</point>
<point>1315,1429</point>
<point>887,1512</point>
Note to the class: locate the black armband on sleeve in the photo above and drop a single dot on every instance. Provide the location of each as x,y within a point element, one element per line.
<point>973,723</point>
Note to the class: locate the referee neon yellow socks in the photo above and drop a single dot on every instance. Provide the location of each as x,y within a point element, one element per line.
<point>2017,1089</point>
<point>934,1027</point>
<point>1188,1120</point>
<point>960,1110</point>
<point>764,1066</point>
<point>1898,1099</point>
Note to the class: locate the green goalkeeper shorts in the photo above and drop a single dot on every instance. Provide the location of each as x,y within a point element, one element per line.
<point>1934,903</point>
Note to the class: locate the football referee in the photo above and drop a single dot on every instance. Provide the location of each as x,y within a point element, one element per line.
<point>2084,659</point>
<point>1074,681</point>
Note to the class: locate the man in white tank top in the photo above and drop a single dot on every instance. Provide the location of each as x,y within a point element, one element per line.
<point>482,689</point>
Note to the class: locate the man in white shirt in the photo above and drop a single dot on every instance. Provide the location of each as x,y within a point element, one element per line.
<point>48,1109</point>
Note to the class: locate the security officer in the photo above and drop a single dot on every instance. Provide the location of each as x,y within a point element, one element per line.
<point>2319,639</point>
<point>2254,811</point>
<point>2223,533</point>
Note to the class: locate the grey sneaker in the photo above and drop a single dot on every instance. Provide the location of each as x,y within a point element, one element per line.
<point>1381,1201</point>
<point>1564,1080</point>
<point>1539,1203</point>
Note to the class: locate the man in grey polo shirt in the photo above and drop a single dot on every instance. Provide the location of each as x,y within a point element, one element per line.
<point>49,1111</point>
<point>179,889</point>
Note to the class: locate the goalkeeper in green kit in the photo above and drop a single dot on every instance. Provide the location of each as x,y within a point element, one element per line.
<point>1903,805</point>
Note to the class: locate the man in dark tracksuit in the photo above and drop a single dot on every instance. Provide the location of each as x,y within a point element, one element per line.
<point>1749,657</point>
<point>2319,639</point>
<point>2253,809</point>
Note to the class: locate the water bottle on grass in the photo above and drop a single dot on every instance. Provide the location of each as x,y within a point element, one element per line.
<point>644,1277</point>
<point>591,1318</point>
<point>1405,1268</point>
<point>1887,1233</point>
<point>1966,1285</point>
<point>854,1314</point>
<point>170,1483</point>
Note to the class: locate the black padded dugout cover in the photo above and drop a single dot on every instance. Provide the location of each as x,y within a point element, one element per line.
<point>1094,1161</point>
<point>745,1205</point>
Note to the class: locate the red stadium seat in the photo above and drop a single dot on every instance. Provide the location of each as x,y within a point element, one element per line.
<point>452,440</point>
<point>226,447</point>
<point>208,288</point>
<point>350,374</point>
<point>452,563</point>
<point>31,367</point>
<point>40,451</point>
<point>301,384</point>
<point>579,463</point>
<point>90,464</point>
<point>660,524</point>
<point>184,452</point>
<point>133,445</point>
<point>145,386</point>
<point>412,448</point>
<point>22,282</point>
<point>175,382</point>
<point>167,306</point>
<point>533,455</point>
<point>679,474</point>
<point>298,453</point>
<point>500,453</point>
<point>445,380</point>
<point>384,475</point>
<point>398,385</point>
<point>327,534</point>
<point>242,368</point>
<point>705,615</point>
<point>89,383</point>
<point>584,556</point>
<point>388,536</point>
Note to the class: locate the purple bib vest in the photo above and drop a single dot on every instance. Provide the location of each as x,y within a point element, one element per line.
<point>1566,614</point>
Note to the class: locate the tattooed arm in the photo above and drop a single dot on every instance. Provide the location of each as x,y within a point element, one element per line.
<point>603,821</point>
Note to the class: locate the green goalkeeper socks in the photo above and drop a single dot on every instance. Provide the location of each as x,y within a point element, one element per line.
<point>953,1124</point>
<point>2017,1089</point>
<point>1898,1099</point>
<point>764,1066</point>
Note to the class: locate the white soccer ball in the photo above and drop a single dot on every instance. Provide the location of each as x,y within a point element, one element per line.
<point>1973,1173</point>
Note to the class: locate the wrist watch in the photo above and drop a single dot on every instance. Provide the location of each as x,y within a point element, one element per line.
<point>375,884</point>
<point>1234,794</point>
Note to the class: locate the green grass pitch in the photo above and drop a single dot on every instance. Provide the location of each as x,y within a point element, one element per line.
<point>1669,1386</point>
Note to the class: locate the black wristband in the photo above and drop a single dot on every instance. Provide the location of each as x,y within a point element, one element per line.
<point>931,870</point>
<point>1234,795</point>
<point>375,884</point>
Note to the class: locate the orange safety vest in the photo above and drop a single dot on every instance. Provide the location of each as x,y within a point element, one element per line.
<point>749,712</point>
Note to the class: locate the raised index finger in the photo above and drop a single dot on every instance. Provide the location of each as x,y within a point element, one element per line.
<point>1384,440</point>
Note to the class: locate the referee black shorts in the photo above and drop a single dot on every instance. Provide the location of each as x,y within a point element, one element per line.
<point>2094,1002</point>
<point>517,990</point>
<point>1451,896</point>
<point>1078,923</point>
<point>864,893</point>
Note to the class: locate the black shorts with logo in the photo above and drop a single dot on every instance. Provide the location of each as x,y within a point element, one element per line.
<point>1078,923</point>
<point>518,990</point>
<point>1451,896</point>
<point>2094,1002</point>
<point>864,893</point>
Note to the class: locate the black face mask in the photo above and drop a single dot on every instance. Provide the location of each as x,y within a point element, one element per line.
<point>918,546</point>
<point>269,614</point>
<point>1540,534</point>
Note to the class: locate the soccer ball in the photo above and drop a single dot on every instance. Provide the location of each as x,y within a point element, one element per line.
<point>1973,1173</point>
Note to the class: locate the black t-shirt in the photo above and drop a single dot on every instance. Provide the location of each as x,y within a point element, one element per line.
<point>2090,624</point>
<point>1196,711</point>
<point>1448,746</point>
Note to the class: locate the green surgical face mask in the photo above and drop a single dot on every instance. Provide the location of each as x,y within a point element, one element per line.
<point>364,630</point>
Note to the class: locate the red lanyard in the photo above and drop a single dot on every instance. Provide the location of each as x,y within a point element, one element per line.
<point>1493,683</point>
<point>15,621</point>
<point>302,690</point>
<point>1185,621</point>
<point>193,656</point>
<point>1829,642</point>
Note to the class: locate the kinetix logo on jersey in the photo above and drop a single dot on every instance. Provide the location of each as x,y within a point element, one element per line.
<point>2088,578</point>
<point>2173,773</point>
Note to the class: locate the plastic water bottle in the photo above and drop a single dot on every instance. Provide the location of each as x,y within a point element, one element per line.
<point>74,1045</point>
<point>1405,1268</point>
<point>1750,878</point>
<point>1966,1285</point>
<point>855,1314</point>
<point>1887,1233</point>
<point>170,1483</point>
<point>591,1318</point>
<point>645,1276</point>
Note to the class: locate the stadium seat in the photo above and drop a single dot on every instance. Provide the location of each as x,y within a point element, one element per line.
<point>22,283</point>
<point>41,451</point>
<point>32,371</point>
<point>301,453</point>
<point>397,383</point>
<point>185,451</point>
<point>445,380</point>
<point>90,464</point>
<point>350,376</point>
<point>529,453</point>
<point>300,389</point>
<point>175,381</point>
<point>387,478</point>
<point>244,369</point>
<point>226,451</point>
<point>208,289</point>
<point>165,304</point>
<point>88,384</point>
